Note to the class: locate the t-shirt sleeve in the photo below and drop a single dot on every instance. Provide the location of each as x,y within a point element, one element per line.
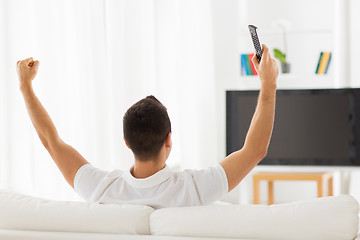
<point>90,182</point>
<point>210,183</point>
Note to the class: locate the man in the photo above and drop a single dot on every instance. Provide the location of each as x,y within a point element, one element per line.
<point>147,132</point>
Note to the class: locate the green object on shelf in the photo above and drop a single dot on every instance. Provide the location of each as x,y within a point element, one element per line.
<point>279,55</point>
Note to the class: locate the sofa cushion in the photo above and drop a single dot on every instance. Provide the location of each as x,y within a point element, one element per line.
<point>323,218</point>
<point>21,212</point>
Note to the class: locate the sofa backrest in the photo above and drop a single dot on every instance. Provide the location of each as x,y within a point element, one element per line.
<point>330,218</point>
<point>323,218</point>
<point>22,212</point>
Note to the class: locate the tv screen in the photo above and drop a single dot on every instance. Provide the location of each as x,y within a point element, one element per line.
<point>312,127</point>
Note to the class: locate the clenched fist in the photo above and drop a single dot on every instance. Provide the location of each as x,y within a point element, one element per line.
<point>27,70</point>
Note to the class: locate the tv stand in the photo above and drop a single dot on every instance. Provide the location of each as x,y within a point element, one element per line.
<point>270,177</point>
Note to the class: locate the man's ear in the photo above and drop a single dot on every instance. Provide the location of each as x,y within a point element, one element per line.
<point>168,142</point>
<point>126,143</point>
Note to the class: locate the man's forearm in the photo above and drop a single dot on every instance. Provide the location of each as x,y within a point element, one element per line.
<point>259,134</point>
<point>40,118</point>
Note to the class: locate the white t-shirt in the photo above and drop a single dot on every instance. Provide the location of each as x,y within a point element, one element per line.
<point>163,189</point>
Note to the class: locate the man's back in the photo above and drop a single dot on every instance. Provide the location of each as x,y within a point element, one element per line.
<point>163,189</point>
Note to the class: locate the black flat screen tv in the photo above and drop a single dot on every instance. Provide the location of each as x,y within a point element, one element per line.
<point>312,127</point>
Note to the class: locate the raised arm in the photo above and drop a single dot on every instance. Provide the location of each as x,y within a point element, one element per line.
<point>238,164</point>
<point>66,158</point>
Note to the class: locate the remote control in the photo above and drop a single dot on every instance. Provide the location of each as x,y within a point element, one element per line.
<point>256,42</point>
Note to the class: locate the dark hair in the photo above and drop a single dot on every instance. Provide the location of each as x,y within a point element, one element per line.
<point>146,126</point>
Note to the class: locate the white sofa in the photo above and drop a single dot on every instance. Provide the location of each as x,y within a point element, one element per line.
<point>29,218</point>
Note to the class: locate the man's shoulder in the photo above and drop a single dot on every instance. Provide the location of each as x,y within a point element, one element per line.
<point>216,167</point>
<point>115,173</point>
<point>199,172</point>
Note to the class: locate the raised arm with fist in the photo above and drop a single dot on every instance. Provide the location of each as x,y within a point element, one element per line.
<point>66,158</point>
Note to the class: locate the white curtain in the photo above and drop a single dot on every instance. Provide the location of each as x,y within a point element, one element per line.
<point>97,58</point>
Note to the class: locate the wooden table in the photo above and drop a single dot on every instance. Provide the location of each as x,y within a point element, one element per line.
<point>270,177</point>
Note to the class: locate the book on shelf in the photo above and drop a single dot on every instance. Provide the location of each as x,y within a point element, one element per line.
<point>247,66</point>
<point>323,63</point>
<point>252,64</point>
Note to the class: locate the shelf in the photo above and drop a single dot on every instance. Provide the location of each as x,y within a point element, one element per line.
<point>290,76</point>
<point>289,81</point>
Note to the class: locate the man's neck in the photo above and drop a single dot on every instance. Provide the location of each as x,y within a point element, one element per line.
<point>146,169</point>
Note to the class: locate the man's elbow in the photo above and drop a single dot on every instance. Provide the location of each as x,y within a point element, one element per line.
<point>262,154</point>
<point>51,144</point>
<point>258,154</point>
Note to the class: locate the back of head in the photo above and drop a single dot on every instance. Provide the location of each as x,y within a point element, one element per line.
<point>146,126</point>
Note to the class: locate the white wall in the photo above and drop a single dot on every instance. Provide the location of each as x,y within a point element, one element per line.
<point>312,31</point>
<point>354,42</point>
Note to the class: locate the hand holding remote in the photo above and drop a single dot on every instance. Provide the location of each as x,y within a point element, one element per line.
<point>267,69</point>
